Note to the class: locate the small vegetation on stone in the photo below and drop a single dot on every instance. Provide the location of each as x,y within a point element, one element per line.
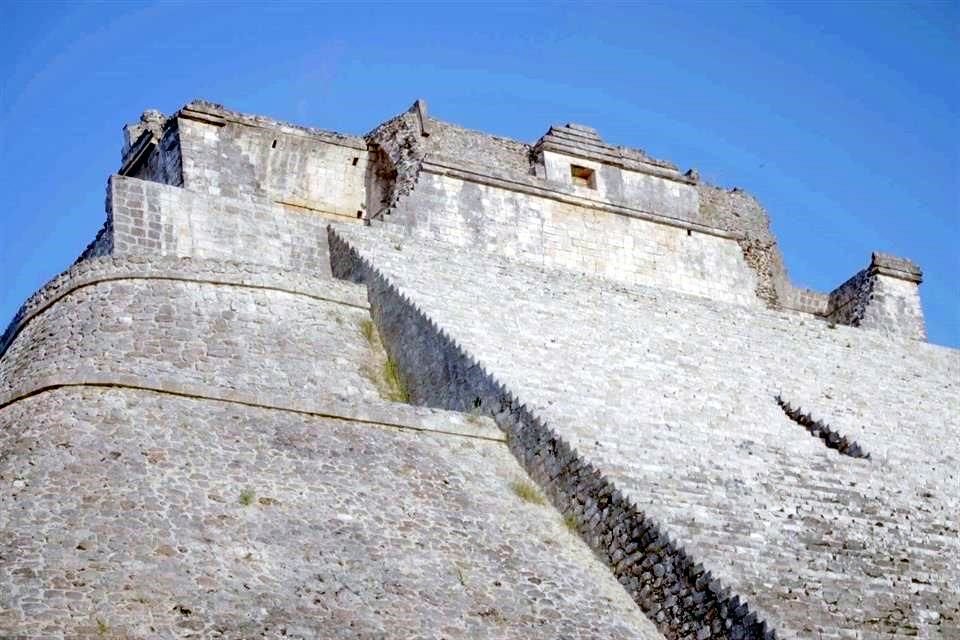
<point>367,329</point>
<point>398,391</point>
<point>570,522</point>
<point>460,575</point>
<point>102,627</point>
<point>527,492</point>
<point>246,497</point>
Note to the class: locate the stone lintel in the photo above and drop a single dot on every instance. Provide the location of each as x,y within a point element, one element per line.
<point>895,267</point>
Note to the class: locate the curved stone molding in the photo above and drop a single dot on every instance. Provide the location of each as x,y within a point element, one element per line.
<point>393,416</point>
<point>104,269</point>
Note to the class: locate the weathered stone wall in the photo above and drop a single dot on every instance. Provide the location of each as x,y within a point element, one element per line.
<point>617,185</point>
<point>197,446</point>
<point>155,219</point>
<point>572,233</point>
<point>236,156</point>
<point>882,297</point>
<point>250,157</point>
<point>739,212</point>
<point>502,154</point>
<point>135,514</point>
<point>181,329</point>
<point>675,592</point>
<point>398,150</point>
<point>673,399</point>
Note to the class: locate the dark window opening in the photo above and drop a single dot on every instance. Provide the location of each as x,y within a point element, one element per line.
<point>583,176</point>
<point>359,214</point>
<point>355,161</point>
<point>274,145</point>
<point>689,232</point>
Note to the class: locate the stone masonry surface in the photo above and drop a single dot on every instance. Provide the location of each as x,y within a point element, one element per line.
<point>673,590</point>
<point>138,515</point>
<point>821,544</point>
<point>96,450</point>
<point>545,231</point>
<point>433,383</point>
<point>154,219</point>
<point>207,148</point>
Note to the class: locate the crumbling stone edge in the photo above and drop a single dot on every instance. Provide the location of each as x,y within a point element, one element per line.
<point>832,438</point>
<point>682,598</point>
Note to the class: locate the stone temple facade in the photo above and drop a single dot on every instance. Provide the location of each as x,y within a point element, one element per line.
<point>430,383</point>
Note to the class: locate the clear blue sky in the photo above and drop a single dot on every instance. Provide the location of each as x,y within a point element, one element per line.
<point>841,118</point>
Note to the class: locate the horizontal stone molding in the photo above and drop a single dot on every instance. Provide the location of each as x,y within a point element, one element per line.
<point>895,267</point>
<point>598,154</point>
<point>394,416</point>
<point>531,186</point>
<point>678,594</point>
<point>215,272</point>
<point>217,115</point>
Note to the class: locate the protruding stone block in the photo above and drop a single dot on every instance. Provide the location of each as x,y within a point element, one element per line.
<point>885,296</point>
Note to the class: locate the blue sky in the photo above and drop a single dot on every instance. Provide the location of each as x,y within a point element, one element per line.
<point>841,118</point>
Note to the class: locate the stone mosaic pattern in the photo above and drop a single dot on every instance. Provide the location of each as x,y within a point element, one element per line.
<point>672,398</point>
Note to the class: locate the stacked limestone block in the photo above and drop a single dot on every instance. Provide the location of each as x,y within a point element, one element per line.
<point>133,514</point>
<point>674,399</point>
<point>196,448</point>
